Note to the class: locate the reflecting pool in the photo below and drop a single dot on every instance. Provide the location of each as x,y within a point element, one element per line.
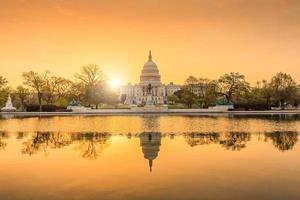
<point>150,157</point>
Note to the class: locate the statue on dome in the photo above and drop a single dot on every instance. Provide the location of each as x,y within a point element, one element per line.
<point>150,56</point>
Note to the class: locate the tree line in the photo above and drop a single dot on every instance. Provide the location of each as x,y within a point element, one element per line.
<point>89,87</point>
<point>44,90</point>
<point>232,88</point>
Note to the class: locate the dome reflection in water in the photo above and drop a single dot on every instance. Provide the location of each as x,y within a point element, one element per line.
<point>150,143</point>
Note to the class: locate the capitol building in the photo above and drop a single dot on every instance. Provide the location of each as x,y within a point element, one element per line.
<point>149,78</point>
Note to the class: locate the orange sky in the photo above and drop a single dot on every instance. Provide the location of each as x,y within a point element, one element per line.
<point>205,38</point>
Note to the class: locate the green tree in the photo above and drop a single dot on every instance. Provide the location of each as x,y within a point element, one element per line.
<point>186,97</point>
<point>283,140</point>
<point>192,84</point>
<point>232,85</point>
<point>267,92</point>
<point>4,90</point>
<point>3,82</point>
<point>297,98</point>
<point>188,94</point>
<point>173,99</point>
<point>284,88</point>
<point>259,96</point>
<point>207,92</point>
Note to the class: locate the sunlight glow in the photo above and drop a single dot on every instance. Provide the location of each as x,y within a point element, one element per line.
<point>114,83</point>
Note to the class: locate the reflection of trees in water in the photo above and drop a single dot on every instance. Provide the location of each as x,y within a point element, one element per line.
<point>91,144</point>
<point>232,141</point>
<point>282,140</point>
<point>194,139</point>
<point>2,143</point>
<point>272,118</point>
<point>21,135</point>
<point>235,141</point>
<point>43,141</point>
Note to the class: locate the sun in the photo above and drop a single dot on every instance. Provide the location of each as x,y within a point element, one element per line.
<point>114,83</point>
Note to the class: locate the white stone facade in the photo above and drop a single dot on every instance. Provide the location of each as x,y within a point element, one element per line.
<point>137,93</point>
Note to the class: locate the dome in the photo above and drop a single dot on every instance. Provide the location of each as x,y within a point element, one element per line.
<point>150,73</point>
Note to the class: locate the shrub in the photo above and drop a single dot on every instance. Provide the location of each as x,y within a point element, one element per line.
<point>45,108</point>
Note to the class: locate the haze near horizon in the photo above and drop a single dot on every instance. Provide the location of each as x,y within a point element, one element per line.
<point>204,38</point>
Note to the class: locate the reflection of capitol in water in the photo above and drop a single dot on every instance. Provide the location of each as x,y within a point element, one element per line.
<point>150,143</point>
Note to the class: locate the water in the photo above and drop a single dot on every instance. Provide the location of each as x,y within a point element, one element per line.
<point>150,157</point>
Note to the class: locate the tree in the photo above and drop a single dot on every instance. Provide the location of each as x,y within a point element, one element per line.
<point>3,82</point>
<point>259,97</point>
<point>192,84</point>
<point>63,87</point>
<point>267,92</point>
<point>195,138</point>
<point>297,98</point>
<point>44,141</point>
<point>90,75</point>
<point>4,90</point>
<point>49,89</point>
<point>37,82</point>
<point>232,84</point>
<point>186,97</point>
<point>22,93</point>
<point>284,88</point>
<point>93,79</point>
<point>235,141</point>
<point>92,144</point>
<point>173,99</point>
<point>207,92</point>
<point>188,94</point>
<point>283,140</point>
<point>63,91</point>
<point>200,90</point>
<point>55,88</point>
<point>77,91</point>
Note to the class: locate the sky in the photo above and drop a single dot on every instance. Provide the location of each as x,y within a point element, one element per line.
<point>204,38</point>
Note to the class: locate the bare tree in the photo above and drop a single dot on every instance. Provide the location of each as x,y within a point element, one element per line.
<point>22,93</point>
<point>3,82</point>
<point>92,78</point>
<point>37,82</point>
